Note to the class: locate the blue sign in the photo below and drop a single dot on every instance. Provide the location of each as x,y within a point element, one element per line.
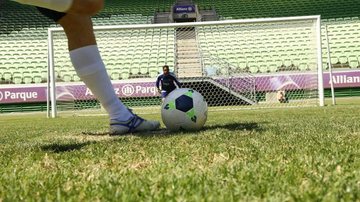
<point>184,9</point>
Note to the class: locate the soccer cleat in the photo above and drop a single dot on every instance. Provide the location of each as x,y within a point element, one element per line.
<point>135,124</point>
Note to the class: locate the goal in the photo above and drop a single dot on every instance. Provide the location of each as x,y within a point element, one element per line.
<point>234,64</point>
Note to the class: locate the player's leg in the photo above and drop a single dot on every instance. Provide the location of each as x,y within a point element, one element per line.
<point>90,68</point>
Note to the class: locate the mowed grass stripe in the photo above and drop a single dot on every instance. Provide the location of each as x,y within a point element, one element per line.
<point>272,154</point>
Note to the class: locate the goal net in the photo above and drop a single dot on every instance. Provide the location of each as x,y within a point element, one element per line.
<point>234,64</point>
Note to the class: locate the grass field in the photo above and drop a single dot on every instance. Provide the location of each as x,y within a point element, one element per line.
<point>298,154</point>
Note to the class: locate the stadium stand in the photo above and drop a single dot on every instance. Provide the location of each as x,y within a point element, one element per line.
<point>23,38</point>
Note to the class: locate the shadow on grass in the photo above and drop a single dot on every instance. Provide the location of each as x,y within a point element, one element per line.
<point>231,127</point>
<point>252,126</point>
<point>65,147</point>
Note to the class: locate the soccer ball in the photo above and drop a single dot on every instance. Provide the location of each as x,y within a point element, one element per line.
<point>184,109</point>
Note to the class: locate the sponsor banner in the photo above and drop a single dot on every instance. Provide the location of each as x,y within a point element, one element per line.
<point>81,92</point>
<point>36,93</point>
<point>288,82</point>
<point>344,79</point>
<point>73,91</point>
<point>184,9</point>
<point>22,94</point>
<point>295,81</point>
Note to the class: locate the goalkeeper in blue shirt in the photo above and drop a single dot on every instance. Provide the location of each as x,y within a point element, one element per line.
<point>168,82</point>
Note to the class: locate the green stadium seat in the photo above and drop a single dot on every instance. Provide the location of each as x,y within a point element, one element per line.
<point>273,67</point>
<point>36,76</point>
<point>66,77</point>
<point>263,68</point>
<point>153,71</point>
<point>296,61</point>
<point>115,75</point>
<point>254,69</point>
<point>303,66</point>
<point>343,59</point>
<point>144,70</point>
<point>7,75</point>
<point>125,74</point>
<point>44,75</point>
<point>353,61</point>
<point>334,60</point>
<point>76,78</point>
<point>17,78</point>
<point>135,69</point>
<point>27,77</point>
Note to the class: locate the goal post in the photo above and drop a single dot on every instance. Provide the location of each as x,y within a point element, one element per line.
<point>234,64</point>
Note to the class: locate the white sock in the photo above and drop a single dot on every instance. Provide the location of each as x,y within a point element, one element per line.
<point>91,69</point>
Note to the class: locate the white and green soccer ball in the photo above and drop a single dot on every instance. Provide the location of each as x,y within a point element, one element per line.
<point>184,109</point>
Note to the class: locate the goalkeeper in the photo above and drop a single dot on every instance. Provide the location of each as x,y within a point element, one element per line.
<point>75,17</point>
<point>168,82</point>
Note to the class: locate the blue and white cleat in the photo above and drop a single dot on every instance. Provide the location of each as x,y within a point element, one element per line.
<point>135,124</point>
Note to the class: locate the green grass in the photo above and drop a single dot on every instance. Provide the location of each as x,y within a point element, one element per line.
<point>299,154</point>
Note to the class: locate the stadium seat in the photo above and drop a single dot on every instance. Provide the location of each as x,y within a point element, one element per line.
<point>153,71</point>
<point>144,70</point>
<point>17,78</point>
<point>254,69</point>
<point>75,78</point>
<point>66,77</point>
<point>263,68</point>
<point>303,66</point>
<point>36,77</point>
<point>115,76</point>
<point>27,46</point>
<point>273,68</point>
<point>343,59</point>
<point>334,60</point>
<point>353,61</point>
<point>44,75</point>
<point>125,74</point>
<point>6,76</point>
